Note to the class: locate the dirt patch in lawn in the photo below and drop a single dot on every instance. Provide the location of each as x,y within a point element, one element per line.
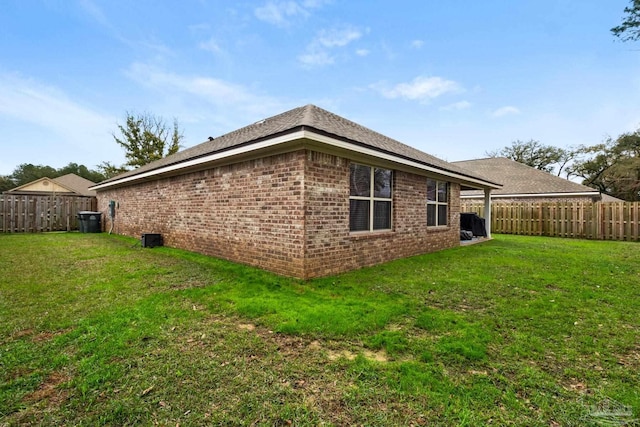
<point>49,391</point>
<point>378,356</point>
<point>291,345</point>
<point>47,335</point>
<point>630,359</point>
<point>45,399</point>
<point>22,333</point>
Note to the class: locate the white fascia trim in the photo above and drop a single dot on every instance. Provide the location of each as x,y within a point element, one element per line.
<point>502,196</point>
<point>371,152</point>
<point>271,142</point>
<point>206,159</point>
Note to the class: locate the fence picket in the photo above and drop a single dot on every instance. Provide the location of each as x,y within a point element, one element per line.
<point>583,220</point>
<point>37,213</point>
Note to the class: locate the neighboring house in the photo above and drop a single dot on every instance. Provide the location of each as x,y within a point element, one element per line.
<point>522,183</point>
<point>305,193</point>
<point>46,204</point>
<point>66,185</point>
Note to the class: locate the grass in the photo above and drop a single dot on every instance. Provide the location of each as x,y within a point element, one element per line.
<point>95,330</point>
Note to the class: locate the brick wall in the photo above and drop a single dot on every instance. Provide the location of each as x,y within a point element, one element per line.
<point>286,213</point>
<point>331,248</point>
<point>249,212</point>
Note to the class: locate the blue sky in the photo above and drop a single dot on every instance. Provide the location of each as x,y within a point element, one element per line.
<point>454,79</point>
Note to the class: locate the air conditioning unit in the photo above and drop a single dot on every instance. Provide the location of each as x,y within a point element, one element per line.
<point>151,240</point>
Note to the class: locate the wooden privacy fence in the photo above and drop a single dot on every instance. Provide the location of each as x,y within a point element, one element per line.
<point>581,220</point>
<point>31,214</point>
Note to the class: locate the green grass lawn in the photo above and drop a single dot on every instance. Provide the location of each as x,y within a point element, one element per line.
<point>95,330</point>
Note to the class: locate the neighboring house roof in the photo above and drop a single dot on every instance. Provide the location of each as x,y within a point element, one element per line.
<point>520,180</point>
<point>608,198</point>
<point>66,184</point>
<point>307,126</point>
<point>79,184</point>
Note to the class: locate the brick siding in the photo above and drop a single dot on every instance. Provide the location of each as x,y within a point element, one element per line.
<point>287,213</point>
<point>249,212</point>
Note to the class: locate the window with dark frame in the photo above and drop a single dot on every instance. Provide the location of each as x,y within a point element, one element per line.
<point>437,203</point>
<point>369,198</point>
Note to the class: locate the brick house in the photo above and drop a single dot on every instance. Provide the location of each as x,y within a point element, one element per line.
<point>522,183</point>
<point>305,193</point>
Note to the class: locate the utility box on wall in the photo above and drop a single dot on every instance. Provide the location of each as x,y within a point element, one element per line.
<point>151,240</point>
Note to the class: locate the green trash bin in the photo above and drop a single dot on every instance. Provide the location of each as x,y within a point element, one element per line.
<point>90,222</point>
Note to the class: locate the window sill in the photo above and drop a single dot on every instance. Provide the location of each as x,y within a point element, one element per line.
<point>369,234</point>
<point>438,228</point>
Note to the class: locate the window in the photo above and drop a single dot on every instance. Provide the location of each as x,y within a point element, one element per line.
<point>437,202</point>
<point>370,198</point>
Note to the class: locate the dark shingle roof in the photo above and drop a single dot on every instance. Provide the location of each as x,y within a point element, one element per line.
<point>307,117</point>
<point>77,183</point>
<point>518,178</point>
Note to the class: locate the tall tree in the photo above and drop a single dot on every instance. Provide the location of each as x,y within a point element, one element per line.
<point>629,30</point>
<point>109,170</point>
<point>147,138</point>
<point>612,167</point>
<point>81,170</point>
<point>532,153</point>
<point>27,172</point>
<point>6,183</point>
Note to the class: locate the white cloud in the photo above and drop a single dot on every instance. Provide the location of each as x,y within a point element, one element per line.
<point>362,52</point>
<point>47,107</point>
<point>505,111</point>
<point>338,37</point>
<point>278,13</point>
<point>214,92</point>
<point>211,45</point>
<point>457,106</point>
<point>211,106</point>
<point>281,13</point>
<point>93,10</point>
<point>422,88</point>
<point>417,44</point>
<point>316,59</point>
<point>326,41</point>
<point>44,125</point>
<point>98,16</point>
<point>314,4</point>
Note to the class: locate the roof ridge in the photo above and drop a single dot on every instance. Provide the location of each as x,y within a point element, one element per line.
<point>483,159</point>
<point>310,116</point>
<point>308,113</point>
